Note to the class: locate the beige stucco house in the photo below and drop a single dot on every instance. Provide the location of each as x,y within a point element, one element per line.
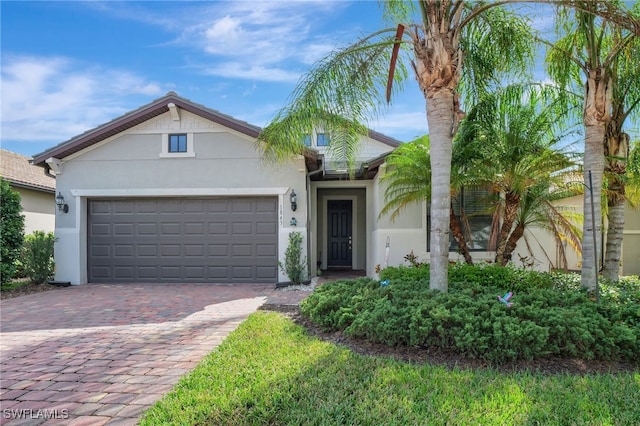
<point>36,189</point>
<point>178,192</point>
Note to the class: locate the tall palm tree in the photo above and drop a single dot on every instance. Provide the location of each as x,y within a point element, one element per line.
<point>625,103</point>
<point>452,42</point>
<point>585,55</point>
<point>623,187</point>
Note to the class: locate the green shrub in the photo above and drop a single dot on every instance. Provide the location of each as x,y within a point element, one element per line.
<point>38,256</point>
<point>551,314</point>
<point>11,230</point>
<point>294,265</point>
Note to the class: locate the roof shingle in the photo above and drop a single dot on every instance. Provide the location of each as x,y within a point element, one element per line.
<point>17,169</point>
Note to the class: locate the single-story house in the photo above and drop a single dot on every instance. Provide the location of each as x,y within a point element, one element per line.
<point>177,192</point>
<point>36,189</point>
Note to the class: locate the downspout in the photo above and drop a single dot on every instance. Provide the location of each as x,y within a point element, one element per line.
<point>313,173</point>
<point>47,171</point>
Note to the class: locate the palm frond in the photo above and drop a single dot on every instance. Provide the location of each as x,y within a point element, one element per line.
<point>341,93</point>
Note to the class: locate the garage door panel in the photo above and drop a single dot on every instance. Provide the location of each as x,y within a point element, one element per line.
<point>173,240</point>
<point>170,228</point>
<point>170,250</point>
<point>194,228</point>
<point>123,250</point>
<point>147,273</point>
<point>147,228</point>
<point>266,273</point>
<point>124,273</point>
<point>194,250</point>
<point>218,228</point>
<point>100,229</point>
<point>147,250</point>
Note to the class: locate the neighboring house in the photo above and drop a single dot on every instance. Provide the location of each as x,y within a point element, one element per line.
<point>37,191</point>
<point>177,192</point>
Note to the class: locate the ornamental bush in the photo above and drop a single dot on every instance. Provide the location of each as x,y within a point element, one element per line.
<point>11,230</point>
<point>550,316</point>
<point>37,256</point>
<point>294,265</point>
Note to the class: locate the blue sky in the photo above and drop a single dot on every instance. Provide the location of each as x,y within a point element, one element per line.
<point>70,66</point>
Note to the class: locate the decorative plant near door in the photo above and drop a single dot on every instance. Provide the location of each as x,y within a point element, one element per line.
<point>294,265</point>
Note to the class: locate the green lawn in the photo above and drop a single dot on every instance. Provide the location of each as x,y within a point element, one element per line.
<point>269,371</point>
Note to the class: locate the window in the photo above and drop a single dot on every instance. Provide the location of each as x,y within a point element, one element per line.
<point>178,143</point>
<point>323,139</point>
<point>306,140</point>
<point>475,203</point>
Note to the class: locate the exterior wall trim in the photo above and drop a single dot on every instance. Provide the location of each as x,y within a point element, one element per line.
<point>178,192</point>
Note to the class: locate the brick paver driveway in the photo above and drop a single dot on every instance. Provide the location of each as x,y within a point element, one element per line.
<point>101,354</point>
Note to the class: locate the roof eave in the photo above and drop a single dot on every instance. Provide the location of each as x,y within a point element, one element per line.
<point>25,185</point>
<point>133,118</point>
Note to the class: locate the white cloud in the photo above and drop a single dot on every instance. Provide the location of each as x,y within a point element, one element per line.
<point>253,72</point>
<point>245,36</point>
<point>55,98</point>
<point>252,36</point>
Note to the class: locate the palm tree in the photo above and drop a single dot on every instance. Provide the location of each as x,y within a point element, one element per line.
<point>586,48</point>
<point>453,42</point>
<point>625,100</point>
<point>510,142</point>
<point>408,180</point>
<point>623,187</point>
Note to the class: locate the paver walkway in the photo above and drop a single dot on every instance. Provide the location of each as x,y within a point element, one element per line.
<point>102,354</point>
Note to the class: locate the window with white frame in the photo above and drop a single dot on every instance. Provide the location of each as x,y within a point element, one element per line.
<point>177,145</point>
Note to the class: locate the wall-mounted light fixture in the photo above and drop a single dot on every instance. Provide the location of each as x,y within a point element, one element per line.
<point>293,198</point>
<point>293,222</point>
<point>62,206</point>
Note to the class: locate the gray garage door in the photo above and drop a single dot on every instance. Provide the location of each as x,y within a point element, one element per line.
<point>221,240</point>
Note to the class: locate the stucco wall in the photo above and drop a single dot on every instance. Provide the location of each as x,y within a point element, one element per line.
<point>224,163</point>
<point>406,233</point>
<point>631,243</point>
<point>39,210</point>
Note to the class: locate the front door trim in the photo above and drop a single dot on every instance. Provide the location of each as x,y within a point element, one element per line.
<point>354,229</point>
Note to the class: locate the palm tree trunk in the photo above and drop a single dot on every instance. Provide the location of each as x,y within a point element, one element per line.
<point>617,151</point>
<point>456,229</point>
<point>515,236</point>
<point>511,204</point>
<point>440,117</point>
<point>614,239</point>
<point>594,163</point>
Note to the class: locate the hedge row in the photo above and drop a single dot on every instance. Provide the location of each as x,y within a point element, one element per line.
<point>550,314</point>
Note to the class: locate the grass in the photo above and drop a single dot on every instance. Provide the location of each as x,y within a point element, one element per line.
<point>269,371</point>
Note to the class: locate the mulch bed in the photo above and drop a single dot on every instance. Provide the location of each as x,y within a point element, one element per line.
<point>25,289</point>
<point>451,360</point>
